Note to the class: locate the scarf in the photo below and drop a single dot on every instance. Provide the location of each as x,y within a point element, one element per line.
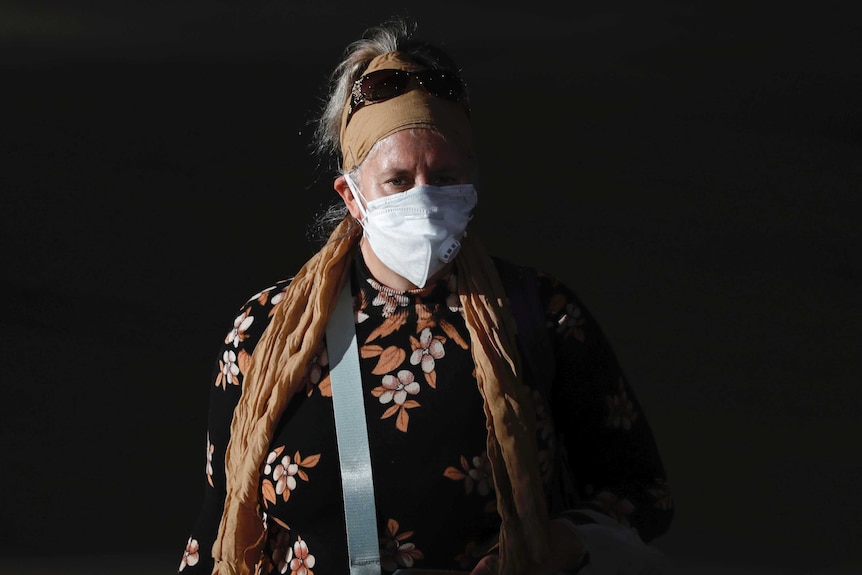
<point>285,351</point>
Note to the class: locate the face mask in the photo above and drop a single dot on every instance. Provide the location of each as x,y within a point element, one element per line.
<point>416,232</point>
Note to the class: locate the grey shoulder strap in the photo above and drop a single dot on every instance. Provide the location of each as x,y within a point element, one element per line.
<point>353,452</point>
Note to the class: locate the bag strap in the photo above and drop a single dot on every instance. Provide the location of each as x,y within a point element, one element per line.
<point>353,452</point>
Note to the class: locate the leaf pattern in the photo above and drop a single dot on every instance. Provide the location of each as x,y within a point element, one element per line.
<point>389,326</point>
<point>389,360</point>
<point>474,473</point>
<point>369,350</point>
<point>395,549</point>
<point>452,332</point>
<point>425,318</point>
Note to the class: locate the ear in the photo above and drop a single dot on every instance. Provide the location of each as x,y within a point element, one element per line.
<point>343,190</point>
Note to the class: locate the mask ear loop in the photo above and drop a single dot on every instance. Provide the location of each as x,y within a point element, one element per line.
<point>358,197</point>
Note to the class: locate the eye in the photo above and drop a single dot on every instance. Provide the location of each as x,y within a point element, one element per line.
<point>446,181</point>
<point>396,184</point>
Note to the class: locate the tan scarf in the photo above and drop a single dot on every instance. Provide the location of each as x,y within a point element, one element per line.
<point>281,359</point>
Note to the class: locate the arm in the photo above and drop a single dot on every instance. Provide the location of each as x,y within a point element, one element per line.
<point>621,498</point>
<point>225,390</point>
<point>604,478</point>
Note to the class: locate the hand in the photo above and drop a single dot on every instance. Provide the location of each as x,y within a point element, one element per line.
<point>487,565</point>
<point>565,553</point>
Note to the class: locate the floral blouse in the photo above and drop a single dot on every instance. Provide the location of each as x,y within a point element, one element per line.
<point>434,497</point>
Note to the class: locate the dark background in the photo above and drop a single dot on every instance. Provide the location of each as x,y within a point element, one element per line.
<point>692,170</point>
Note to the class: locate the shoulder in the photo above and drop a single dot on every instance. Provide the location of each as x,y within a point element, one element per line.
<point>253,317</point>
<point>536,285</point>
<point>560,306</point>
<point>574,326</point>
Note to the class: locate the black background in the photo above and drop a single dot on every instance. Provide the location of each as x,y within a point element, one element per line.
<point>692,170</point>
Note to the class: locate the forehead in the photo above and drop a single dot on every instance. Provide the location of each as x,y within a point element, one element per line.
<point>417,148</point>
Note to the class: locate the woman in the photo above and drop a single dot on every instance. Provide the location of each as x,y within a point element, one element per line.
<point>499,440</point>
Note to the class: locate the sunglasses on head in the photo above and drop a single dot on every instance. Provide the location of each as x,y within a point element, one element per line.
<point>383,85</point>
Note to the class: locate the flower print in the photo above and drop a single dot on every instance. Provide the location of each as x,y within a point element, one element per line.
<point>281,474</point>
<point>389,326</point>
<point>360,305</point>
<point>473,552</point>
<point>240,325</point>
<point>390,299</point>
<point>314,377</point>
<point>545,441</point>
<point>209,468</point>
<point>544,422</point>
<point>190,555</point>
<point>395,551</point>
<point>299,560</point>
<point>453,301</point>
<point>452,331</point>
<point>481,474</point>
<point>276,299</point>
<point>228,369</point>
<point>476,473</point>
<point>281,550</point>
<point>263,565</point>
<point>617,507</point>
<point>570,323</point>
<point>621,411</point>
<point>274,523</point>
<point>428,349</point>
<point>661,493</point>
<point>396,389</point>
<point>388,359</point>
<point>426,316</point>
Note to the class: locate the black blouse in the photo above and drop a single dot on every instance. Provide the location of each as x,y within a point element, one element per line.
<point>427,434</point>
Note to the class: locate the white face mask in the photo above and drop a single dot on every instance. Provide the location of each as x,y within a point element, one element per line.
<point>416,232</point>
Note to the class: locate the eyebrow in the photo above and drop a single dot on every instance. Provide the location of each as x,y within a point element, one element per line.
<point>444,170</point>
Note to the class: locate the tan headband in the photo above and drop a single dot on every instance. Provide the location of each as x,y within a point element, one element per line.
<point>413,109</point>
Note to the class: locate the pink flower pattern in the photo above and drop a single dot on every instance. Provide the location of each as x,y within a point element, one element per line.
<point>395,551</point>
<point>300,561</point>
<point>209,467</point>
<point>190,555</point>
<point>398,387</point>
<point>388,298</point>
<point>229,369</point>
<point>430,350</point>
<point>238,333</point>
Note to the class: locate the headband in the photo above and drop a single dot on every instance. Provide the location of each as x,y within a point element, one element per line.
<point>412,109</point>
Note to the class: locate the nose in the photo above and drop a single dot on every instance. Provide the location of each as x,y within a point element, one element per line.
<point>421,178</point>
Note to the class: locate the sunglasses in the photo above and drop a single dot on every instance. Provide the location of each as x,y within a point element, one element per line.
<point>383,85</point>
